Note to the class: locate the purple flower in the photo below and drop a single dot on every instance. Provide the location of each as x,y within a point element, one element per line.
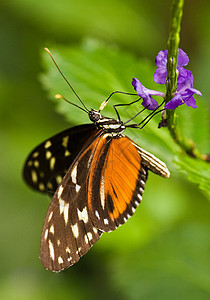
<point>184,94</point>
<point>161,62</point>
<point>146,94</point>
<point>185,91</point>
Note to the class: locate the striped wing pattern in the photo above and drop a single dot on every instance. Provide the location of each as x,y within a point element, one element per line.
<point>117,179</point>
<point>99,192</point>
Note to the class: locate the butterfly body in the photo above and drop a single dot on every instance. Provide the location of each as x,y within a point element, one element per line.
<point>105,175</point>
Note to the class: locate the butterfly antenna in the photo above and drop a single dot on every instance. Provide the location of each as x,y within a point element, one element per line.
<point>86,109</point>
<point>58,96</point>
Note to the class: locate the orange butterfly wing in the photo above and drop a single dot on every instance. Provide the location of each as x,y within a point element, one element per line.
<point>116,181</point>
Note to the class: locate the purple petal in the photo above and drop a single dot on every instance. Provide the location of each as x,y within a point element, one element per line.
<point>145,94</point>
<point>185,96</point>
<point>183,59</point>
<point>188,83</point>
<point>188,93</point>
<point>183,75</point>
<point>150,102</point>
<point>174,102</point>
<point>191,102</point>
<point>160,75</point>
<point>142,91</point>
<point>161,59</point>
<point>186,88</point>
<point>197,92</point>
<point>161,62</point>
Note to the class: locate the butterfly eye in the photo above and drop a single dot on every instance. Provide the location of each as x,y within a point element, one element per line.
<point>94,115</point>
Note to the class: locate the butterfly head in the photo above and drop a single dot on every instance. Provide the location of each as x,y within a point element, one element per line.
<point>94,115</point>
<point>109,125</point>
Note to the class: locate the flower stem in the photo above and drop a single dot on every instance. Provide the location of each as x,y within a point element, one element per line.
<point>171,82</point>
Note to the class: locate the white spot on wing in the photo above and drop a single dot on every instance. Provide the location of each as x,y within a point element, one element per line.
<point>142,182</point>
<point>139,196</point>
<point>47,144</point>
<point>66,212</point>
<point>36,163</point>
<point>95,230</point>
<point>62,204</point>
<point>75,230</point>
<point>67,153</point>
<point>78,187</point>
<point>83,215</point>
<point>34,176</point>
<point>90,236</point>
<point>97,214</point>
<point>60,190</point>
<point>141,190</point>
<point>86,239</point>
<point>52,229</point>
<point>64,208</point>
<point>102,192</point>
<point>65,141</point>
<point>106,222</point>
<point>90,159</point>
<point>50,216</point>
<point>74,174</point>
<point>59,179</point>
<point>52,163</point>
<point>41,187</point>
<point>48,154</point>
<point>68,250</point>
<point>60,260</point>
<point>51,249</point>
<point>35,154</point>
<point>46,234</point>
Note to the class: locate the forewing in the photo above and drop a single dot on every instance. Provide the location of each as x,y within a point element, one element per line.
<point>47,164</point>
<point>116,182</point>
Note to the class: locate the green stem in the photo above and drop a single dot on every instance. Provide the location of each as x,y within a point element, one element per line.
<point>173,46</point>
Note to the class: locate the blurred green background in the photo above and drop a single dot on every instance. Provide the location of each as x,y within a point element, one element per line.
<point>163,250</point>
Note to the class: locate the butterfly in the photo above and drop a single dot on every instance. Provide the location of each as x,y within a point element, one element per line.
<point>97,176</point>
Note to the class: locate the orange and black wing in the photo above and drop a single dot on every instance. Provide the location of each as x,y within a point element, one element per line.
<point>116,182</point>
<point>99,192</point>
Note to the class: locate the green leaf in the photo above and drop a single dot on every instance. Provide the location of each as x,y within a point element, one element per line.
<point>196,170</point>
